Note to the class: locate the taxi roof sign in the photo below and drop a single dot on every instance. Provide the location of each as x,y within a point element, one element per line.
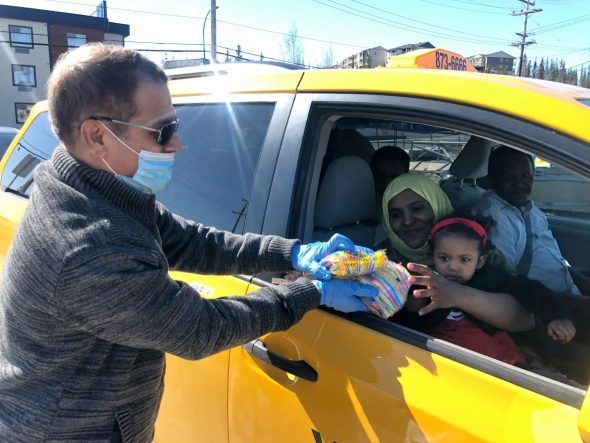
<point>436,58</point>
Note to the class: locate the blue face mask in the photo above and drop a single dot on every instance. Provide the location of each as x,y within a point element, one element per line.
<point>154,169</point>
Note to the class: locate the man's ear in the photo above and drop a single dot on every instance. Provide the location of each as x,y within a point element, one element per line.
<point>92,137</point>
<point>481,261</point>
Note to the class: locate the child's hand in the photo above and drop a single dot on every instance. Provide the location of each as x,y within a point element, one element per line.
<point>561,330</point>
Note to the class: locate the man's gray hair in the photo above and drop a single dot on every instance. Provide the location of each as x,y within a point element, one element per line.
<point>96,79</point>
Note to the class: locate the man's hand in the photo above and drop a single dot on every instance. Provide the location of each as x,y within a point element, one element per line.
<point>306,258</point>
<point>440,290</point>
<point>343,295</point>
<point>562,330</point>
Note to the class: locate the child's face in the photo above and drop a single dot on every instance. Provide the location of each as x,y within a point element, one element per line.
<point>457,258</point>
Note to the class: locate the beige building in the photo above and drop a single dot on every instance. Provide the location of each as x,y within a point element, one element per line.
<point>32,41</point>
<point>368,58</point>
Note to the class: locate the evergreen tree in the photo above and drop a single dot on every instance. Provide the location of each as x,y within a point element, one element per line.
<point>585,77</point>
<point>534,69</point>
<point>541,70</point>
<point>551,70</point>
<point>528,68</point>
<point>561,72</point>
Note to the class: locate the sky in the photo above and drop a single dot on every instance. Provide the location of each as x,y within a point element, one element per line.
<point>344,27</point>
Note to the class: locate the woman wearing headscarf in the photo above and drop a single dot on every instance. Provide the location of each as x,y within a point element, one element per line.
<point>412,204</point>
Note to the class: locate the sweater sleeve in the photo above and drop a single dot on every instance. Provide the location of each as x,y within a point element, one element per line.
<point>536,298</point>
<point>192,247</point>
<point>531,294</point>
<point>125,296</point>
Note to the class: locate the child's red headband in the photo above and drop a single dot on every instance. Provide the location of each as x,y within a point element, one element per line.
<point>473,225</point>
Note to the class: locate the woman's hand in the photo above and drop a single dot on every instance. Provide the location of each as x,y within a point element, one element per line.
<point>442,292</point>
<point>497,309</point>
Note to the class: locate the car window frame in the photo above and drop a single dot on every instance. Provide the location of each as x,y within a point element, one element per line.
<point>303,146</point>
<point>264,171</point>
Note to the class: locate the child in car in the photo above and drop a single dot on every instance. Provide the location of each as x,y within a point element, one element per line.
<point>460,248</point>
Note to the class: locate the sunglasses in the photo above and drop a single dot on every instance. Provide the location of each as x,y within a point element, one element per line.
<point>165,133</point>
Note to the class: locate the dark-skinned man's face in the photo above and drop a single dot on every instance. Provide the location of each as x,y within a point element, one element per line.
<point>514,179</point>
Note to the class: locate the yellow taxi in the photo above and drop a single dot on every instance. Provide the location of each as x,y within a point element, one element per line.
<point>256,150</point>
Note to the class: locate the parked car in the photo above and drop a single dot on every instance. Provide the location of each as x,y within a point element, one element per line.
<point>254,161</point>
<point>6,135</point>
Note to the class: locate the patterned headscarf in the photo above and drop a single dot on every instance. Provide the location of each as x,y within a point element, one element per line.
<point>429,191</point>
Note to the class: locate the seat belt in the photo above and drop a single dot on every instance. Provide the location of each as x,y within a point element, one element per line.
<point>525,261</point>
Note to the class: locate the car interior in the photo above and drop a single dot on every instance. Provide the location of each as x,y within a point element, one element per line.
<point>346,201</point>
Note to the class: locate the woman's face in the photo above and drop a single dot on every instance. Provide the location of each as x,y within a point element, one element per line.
<point>411,218</point>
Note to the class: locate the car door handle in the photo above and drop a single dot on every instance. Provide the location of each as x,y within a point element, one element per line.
<point>299,368</point>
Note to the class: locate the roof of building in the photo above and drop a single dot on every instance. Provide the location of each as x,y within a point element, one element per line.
<point>499,54</point>
<point>63,18</point>
<point>418,45</point>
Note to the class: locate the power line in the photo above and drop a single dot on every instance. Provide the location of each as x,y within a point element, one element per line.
<point>419,21</point>
<point>287,34</point>
<point>579,64</point>
<point>464,9</point>
<point>140,11</point>
<point>482,4</point>
<point>377,19</point>
<point>185,51</point>
<point>561,24</point>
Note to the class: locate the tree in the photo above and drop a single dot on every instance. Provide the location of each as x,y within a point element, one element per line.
<point>534,69</point>
<point>585,77</point>
<point>327,58</point>
<point>528,67</point>
<point>292,48</point>
<point>541,70</point>
<point>551,70</point>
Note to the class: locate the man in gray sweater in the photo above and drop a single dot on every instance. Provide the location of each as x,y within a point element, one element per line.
<point>87,308</point>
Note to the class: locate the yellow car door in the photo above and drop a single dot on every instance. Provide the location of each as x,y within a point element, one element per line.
<point>350,382</point>
<point>215,182</point>
<point>355,377</point>
<point>194,405</point>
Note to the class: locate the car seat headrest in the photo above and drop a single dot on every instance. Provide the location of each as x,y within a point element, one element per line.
<point>345,142</point>
<point>346,194</point>
<point>472,161</point>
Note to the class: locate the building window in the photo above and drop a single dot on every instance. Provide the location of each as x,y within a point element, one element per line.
<point>75,40</point>
<point>24,75</point>
<point>21,36</point>
<point>22,111</point>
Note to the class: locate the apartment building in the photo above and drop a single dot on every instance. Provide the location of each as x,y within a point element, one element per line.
<point>32,40</point>
<point>368,58</point>
<point>379,56</point>
<point>495,63</point>
<point>399,50</point>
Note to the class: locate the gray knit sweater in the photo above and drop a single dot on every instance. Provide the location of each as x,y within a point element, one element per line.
<point>87,308</point>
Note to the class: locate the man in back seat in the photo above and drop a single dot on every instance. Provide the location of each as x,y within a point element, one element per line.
<point>388,163</point>
<point>532,250</point>
<point>536,254</point>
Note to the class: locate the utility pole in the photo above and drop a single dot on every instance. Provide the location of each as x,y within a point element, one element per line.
<point>213,32</point>
<point>523,35</point>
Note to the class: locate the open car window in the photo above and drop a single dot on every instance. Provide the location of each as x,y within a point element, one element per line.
<point>433,150</point>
